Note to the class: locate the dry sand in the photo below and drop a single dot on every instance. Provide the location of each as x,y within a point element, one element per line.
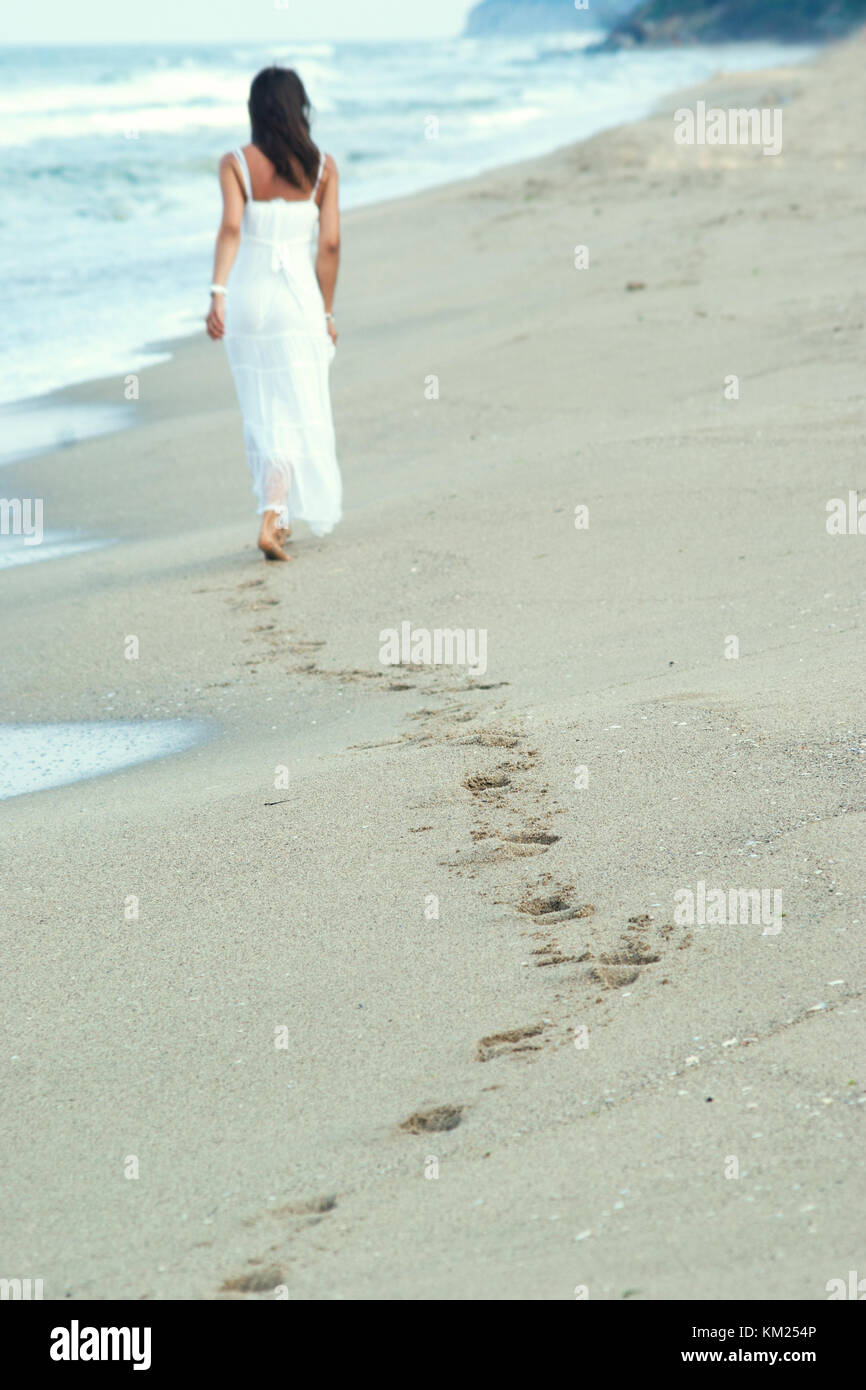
<point>303,908</point>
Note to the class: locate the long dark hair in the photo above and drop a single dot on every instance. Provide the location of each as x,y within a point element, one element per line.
<point>280,119</point>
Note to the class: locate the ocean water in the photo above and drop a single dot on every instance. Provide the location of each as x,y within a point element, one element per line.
<point>110,200</point>
<point>38,757</point>
<point>53,545</point>
<point>28,427</point>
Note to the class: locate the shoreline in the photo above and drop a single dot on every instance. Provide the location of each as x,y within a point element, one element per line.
<point>382,986</point>
<point>87,391</point>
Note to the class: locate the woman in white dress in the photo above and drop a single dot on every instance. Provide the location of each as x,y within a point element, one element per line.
<point>280,238</point>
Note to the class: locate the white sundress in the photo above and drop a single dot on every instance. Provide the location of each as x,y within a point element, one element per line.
<point>280,353</point>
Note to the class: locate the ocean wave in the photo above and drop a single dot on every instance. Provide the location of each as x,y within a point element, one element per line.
<point>504,120</point>
<point>140,99</point>
<point>129,124</point>
<point>119,165</point>
<point>125,92</point>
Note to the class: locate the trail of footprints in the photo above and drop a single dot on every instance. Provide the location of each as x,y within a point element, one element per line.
<point>263,1275</point>
<point>271,640</point>
<point>559,921</point>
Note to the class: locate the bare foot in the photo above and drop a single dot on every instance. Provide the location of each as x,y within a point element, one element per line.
<point>270,538</point>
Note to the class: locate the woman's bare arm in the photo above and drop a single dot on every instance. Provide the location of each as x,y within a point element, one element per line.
<point>328,257</point>
<point>227,242</point>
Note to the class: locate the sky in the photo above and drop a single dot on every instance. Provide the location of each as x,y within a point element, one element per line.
<point>161,21</point>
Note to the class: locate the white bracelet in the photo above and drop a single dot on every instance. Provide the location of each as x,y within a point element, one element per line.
<point>330,316</point>
<point>218,289</point>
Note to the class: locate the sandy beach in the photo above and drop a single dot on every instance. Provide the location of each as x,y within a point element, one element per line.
<point>405,1011</point>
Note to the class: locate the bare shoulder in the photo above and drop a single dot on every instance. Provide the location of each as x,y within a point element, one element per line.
<point>330,169</point>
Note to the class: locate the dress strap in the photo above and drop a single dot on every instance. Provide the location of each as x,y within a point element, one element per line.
<point>248,188</point>
<point>319,179</point>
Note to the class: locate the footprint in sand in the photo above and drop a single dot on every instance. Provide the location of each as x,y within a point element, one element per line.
<point>523,844</point>
<point>555,906</point>
<point>493,738</point>
<point>515,842</point>
<point>623,965</point>
<point>254,1281</point>
<point>615,967</point>
<point>546,910</point>
<point>313,1208</point>
<point>441,1117</point>
<point>532,837</point>
<point>254,606</point>
<point>486,781</point>
<point>551,953</point>
<point>509,1042</point>
<point>618,968</point>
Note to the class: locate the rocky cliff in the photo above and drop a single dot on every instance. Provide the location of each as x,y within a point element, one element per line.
<point>664,23</point>
<point>503,18</point>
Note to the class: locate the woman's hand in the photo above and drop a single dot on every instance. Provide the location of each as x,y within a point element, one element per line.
<point>216,319</point>
<point>332,332</point>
